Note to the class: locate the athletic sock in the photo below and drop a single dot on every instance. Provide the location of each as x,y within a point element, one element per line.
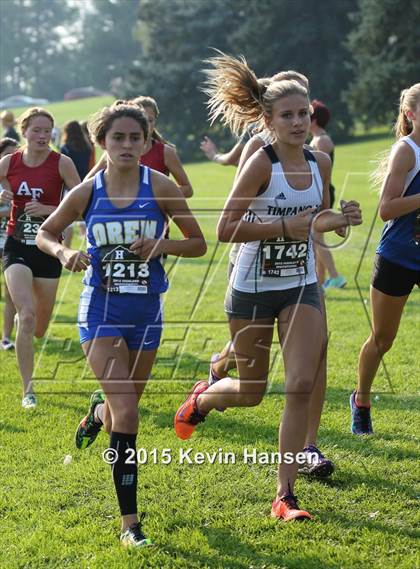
<point>98,414</point>
<point>359,405</point>
<point>124,471</point>
<point>214,374</point>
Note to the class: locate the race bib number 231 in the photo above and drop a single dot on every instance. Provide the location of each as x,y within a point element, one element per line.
<point>27,227</point>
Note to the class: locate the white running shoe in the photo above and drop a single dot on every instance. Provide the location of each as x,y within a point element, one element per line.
<point>6,344</point>
<point>133,536</point>
<point>29,401</point>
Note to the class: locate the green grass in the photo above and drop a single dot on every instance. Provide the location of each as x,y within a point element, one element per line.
<point>59,516</point>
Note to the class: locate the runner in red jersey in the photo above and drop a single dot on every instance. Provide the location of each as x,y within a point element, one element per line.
<point>155,157</point>
<point>33,179</point>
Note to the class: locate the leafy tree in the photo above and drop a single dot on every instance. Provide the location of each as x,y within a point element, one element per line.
<point>107,46</point>
<point>32,58</point>
<point>386,57</point>
<point>305,35</point>
<point>175,37</point>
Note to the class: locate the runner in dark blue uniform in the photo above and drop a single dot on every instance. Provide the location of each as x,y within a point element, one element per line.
<point>120,320</point>
<point>397,262</point>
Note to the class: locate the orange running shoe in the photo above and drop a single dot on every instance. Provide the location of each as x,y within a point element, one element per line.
<point>187,417</point>
<point>287,509</point>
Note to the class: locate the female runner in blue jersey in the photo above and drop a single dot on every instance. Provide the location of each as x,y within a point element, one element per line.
<point>270,211</point>
<point>125,208</point>
<point>397,263</point>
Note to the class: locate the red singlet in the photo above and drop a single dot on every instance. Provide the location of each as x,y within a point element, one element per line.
<point>155,158</point>
<point>42,183</point>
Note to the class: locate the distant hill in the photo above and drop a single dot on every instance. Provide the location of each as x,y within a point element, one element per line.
<point>79,109</point>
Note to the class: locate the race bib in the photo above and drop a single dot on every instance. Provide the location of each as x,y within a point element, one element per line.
<point>27,227</point>
<point>123,272</point>
<point>3,226</point>
<point>283,258</point>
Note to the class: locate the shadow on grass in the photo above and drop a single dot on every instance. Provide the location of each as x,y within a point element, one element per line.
<point>60,404</point>
<point>340,520</point>
<point>7,428</point>
<point>217,427</point>
<point>338,398</point>
<point>349,479</point>
<point>232,553</point>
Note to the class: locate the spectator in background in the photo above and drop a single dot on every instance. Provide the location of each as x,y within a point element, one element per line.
<point>76,147</point>
<point>55,139</point>
<point>8,123</point>
<point>79,148</point>
<point>86,132</point>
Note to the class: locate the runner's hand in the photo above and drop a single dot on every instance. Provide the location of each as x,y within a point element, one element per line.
<point>37,209</point>
<point>298,226</point>
<point>352,212</point>
<point>74,261</point>
<point>208,147</point>
<point>6,196</point>
<point>147,249</point>
<point>341,231</point>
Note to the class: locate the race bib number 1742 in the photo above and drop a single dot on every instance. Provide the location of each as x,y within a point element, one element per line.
<point>283,258</point>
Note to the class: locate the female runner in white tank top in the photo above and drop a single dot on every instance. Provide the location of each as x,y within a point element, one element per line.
<point>317,465</point>
<point>281,191</point>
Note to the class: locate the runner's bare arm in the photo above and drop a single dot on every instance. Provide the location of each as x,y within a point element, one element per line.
<point>327,219</point>
<point>393,204</point>
<point>68,172</point>
<point>175,167</point>
<point>230,158</point>
<point>250,148</point>
<point>70,209</point>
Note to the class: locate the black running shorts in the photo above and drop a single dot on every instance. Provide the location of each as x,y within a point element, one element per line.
<point>393,279</point>
<point>42,265</point>
<point>251,306</point>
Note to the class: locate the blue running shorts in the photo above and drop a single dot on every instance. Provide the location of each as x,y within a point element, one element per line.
<point>134,317</point>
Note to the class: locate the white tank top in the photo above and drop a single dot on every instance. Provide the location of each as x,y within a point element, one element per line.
<point>412,173</point>
<point>277,264</point>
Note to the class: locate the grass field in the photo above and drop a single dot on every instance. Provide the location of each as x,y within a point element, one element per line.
<point>58,515</point>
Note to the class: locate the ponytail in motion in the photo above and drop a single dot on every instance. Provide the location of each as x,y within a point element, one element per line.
<point>409,99</point>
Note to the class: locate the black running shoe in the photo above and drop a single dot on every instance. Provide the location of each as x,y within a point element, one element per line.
<point>316,465</point>
<point>88,429</point>
<point>361,422</point>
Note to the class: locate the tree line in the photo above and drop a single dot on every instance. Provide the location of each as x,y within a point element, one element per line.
<point>357,54</point>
